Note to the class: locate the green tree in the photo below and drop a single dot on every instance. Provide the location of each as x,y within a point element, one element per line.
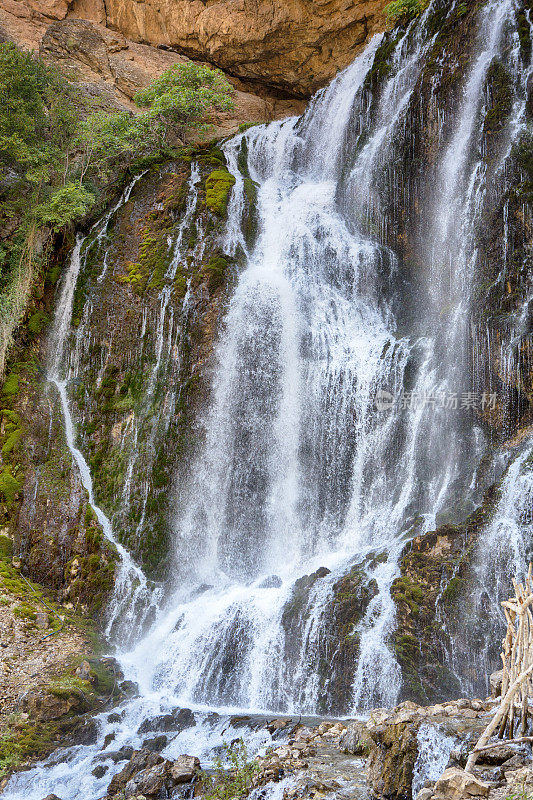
<point>66,205</point>
<point>23,119</point>
<point>183,96</point>
<point>106,140</point>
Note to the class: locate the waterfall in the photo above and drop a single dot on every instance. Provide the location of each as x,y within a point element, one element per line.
<point>338,425</point>
<point>298,470</point>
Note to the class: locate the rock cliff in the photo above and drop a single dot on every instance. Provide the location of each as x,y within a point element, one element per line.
<point>281,48</point>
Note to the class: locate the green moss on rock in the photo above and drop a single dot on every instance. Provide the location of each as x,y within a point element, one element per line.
<point>217,188</point>
<point>11,385</point>
<point>9,485</point>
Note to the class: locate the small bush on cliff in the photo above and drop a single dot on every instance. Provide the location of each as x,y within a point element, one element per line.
<point>182,97</point>
<point>403,11</point>
<point>65,206</point>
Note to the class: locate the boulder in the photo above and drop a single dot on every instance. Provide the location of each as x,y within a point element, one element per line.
<point>178,720</point>
<point>140,760</point>
<point>455,783</point>
<point>150,775</point>
<point>44,706</point>
<point>184,769</point>
<point>123,754</point>
<point>156,743</point>
<point>496,683</point>
<point>355,740</point>
<point>148,782</point>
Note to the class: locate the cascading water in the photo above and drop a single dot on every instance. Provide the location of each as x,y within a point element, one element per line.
<point>298,471</point>
<point>317,459</point>
<point>132,599</point>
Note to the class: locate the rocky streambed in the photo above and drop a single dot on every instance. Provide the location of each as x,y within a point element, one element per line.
<point>409,751</point>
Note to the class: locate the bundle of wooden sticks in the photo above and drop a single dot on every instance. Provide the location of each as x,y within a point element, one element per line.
<point>511,717</point>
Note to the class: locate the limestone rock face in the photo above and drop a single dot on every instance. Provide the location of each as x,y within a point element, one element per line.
<point>292,45</point>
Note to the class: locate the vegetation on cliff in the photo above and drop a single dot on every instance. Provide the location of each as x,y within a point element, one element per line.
<point>402,11</point>
<point>59,155</point>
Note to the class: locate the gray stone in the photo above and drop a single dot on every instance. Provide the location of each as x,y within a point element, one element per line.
<point>148,782</point>
<point>156,743</point>
<point>496,683</point>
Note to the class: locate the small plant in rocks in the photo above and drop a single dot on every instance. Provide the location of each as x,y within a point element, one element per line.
<point>233,775</point>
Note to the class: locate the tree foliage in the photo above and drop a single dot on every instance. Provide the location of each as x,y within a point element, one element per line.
<point>183,95</point>
<point>403,11</point>
<point>66,205</point>
<point>231,780</point>
<point>58,153</point>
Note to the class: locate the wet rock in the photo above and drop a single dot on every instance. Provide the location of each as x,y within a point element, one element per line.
<point>272,582</point>
<point>99,771</point>
<point>277,725</point>
<point>178,720</point>
<point>86,732</point>
<point>148,782</point>
<point>51,797</point>
<point>163,722</point>
<point>156,744</point>
<point>183,719</point>
<point>143,777</point>
<point>140,760</point>
<point>354,740</point>
<point>114,717</point>
<point>108,739</point>
<point>124,754</point>
<point>129,687</point>
<point>184,769</point>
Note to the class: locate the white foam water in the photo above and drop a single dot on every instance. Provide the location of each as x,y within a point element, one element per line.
<point>434,749</point>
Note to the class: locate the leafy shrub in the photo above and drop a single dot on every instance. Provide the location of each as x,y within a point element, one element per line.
<point>403,11</point>
<point>234,782</point>
<point>66,205</point>
<point>183,95</point>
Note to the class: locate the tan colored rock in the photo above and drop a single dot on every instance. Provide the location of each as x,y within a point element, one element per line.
<point>93,10</point>
<point>184,768</point>
<point>291,45</point>
<point>455,783</point>
<point>51,9</point>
